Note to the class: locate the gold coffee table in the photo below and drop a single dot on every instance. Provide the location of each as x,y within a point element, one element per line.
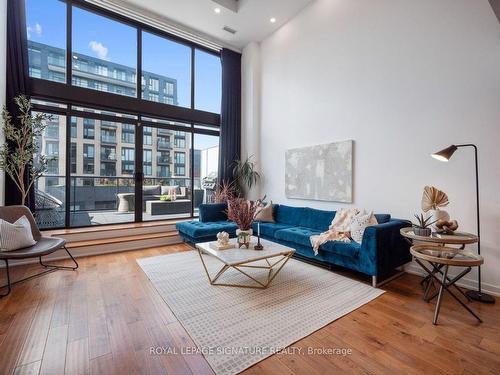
<point>274,255</point>
<point>441,258</point>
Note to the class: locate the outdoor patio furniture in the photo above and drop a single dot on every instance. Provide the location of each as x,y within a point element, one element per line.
<point>44,246</point>
<point>179,206</point>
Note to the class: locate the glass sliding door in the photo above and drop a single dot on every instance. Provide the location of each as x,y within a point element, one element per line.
<point>166,188</point>
<point>50,192</point>
<point>102,172</point>
<point>205,167</point>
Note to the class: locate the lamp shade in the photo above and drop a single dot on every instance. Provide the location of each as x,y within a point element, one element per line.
<point>445,154</point>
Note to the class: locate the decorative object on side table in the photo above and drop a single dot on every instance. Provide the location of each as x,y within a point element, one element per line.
<point>259,245</point>
<point>242,213</point>
<point>445,155</point>
<point>422,228</point>
<point>446,227</point>
<point>433,200</point>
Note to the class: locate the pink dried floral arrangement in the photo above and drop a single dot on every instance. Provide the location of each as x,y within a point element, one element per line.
<point>241,212</point>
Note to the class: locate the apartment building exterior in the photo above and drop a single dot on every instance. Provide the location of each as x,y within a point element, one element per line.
<point>103,152</point>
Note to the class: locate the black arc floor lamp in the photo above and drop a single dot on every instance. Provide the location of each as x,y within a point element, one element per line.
<point>445,155</point>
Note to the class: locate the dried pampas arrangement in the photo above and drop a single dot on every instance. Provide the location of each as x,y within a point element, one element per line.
<point>433,199</point>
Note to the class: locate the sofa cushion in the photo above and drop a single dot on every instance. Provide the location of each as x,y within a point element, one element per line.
<point>212,212</point>
<point>197,229</point>
<point>383,218</point>
<point>316,219</point>
<point>288,215</point>
<point>151,190</point>
<point>298,235</point>
<point>348,249</point>
<point>269,229</point>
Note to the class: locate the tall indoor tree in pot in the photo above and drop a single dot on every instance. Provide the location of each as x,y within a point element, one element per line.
<point>21,146</point>
<point>245,174</point>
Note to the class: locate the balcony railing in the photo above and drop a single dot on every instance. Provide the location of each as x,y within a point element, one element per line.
<point>163,160</point>
<point>164,145</point>
<point>108,139</point>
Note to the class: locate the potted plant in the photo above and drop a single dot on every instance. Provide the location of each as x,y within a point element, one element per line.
<point>422,227</point>
<point>242,212</point>
<point>21,146</point>
<point>245,174</point>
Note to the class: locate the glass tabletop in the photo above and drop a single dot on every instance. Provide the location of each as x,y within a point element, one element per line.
<point>446,255</point>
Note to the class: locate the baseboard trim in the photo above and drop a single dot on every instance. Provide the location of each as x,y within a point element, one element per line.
<point>102,249</point>
<point>467,283</point>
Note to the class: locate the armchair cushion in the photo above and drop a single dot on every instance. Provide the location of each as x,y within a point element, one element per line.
<point>44,246</point>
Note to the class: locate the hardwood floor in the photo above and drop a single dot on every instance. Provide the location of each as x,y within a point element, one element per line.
<point>103,319</point>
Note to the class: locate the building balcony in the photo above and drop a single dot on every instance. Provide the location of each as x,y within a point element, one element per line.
<point>164,145</point>
<point>108,139</point>
<point>163,160</point>
<point>164,132</point>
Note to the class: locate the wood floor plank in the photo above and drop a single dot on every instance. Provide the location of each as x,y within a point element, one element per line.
<point>77,357</point>
<point>32,368</point>
<point>105,317</point>
<point>54,356</point>
<point>34,345</point>
<point>13,342</point>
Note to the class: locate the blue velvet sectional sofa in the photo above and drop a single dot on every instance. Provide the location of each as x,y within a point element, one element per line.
<point>380,252</point>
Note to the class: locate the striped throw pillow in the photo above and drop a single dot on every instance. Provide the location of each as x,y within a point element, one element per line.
<point>17,235</point>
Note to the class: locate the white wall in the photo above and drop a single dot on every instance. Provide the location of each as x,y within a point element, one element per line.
<point>250,109</point>
<point>402,79</point>
<point>3,44</point>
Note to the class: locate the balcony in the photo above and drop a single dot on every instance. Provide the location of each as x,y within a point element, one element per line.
<point>163,160</point>
<point>162,145</point>
<point>108,139</point>
<point>95,200</point>
<point>164,132</point>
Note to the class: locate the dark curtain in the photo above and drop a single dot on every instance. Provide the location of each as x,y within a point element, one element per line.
<point>230,127</point>
<point>17,80</point>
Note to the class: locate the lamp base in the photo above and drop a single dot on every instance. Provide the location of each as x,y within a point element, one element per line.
<point>480,296</point>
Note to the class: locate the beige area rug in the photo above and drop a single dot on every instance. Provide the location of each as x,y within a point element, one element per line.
<point>235,328</point>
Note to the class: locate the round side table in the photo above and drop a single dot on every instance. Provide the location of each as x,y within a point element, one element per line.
<point>457,238</point>
<point>441,258</point>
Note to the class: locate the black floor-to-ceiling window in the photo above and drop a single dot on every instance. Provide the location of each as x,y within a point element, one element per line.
<point>135,117</point>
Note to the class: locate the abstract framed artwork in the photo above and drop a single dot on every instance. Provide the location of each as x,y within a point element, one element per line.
<point>322,172</point>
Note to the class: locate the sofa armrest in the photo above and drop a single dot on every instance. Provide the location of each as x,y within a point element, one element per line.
<point>383,248</point>
<point>212,212</point>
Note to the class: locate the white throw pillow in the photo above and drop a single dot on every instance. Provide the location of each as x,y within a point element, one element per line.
<point>15,236</point>
<point>359,223</point>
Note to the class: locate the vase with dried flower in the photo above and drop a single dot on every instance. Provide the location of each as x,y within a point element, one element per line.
<point>433,200</point>
<point>242,212</point>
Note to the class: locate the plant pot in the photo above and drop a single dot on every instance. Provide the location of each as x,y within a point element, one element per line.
<point>243,237</point>
<point>436,215</point>
<point>424,232</point>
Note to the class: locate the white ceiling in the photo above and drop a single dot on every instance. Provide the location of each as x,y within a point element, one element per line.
<point>251,21</point>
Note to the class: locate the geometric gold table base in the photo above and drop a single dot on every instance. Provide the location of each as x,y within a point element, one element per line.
<point>271,274</point>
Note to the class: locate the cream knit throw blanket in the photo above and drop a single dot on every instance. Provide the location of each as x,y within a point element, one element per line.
<point>339,230</point>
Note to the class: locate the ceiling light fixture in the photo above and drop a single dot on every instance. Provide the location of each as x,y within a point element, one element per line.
<point>272,20</point>
<point>217,10</point>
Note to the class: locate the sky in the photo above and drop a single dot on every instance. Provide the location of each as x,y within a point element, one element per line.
<point>110,40</point>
